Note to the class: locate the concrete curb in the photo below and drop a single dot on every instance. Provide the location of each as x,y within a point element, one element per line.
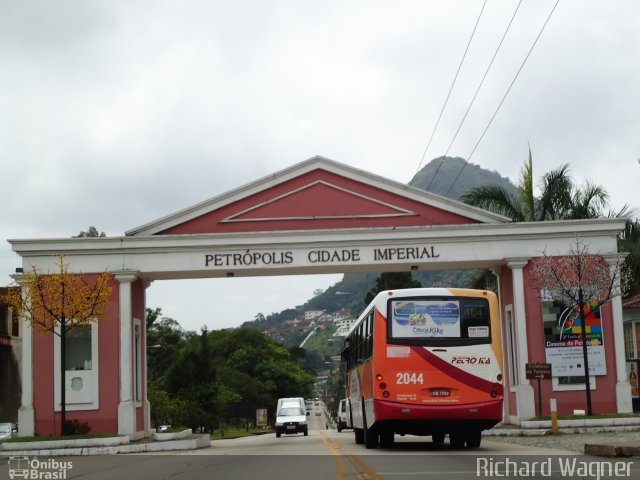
<point>194,443</point>
<point>165,436</point>
<point>583,423</point>
<point>543,428</point>
<point>515,432</point>
<point>58,444</point>
<point>538,432</point>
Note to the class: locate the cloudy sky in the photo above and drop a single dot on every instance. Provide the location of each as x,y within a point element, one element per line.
<point>116,113</point>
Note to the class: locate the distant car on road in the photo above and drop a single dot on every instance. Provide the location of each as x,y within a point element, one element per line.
<point>282,401</point>
<point>344,415</point>
<point>291,419</point>
<point>7,430</point>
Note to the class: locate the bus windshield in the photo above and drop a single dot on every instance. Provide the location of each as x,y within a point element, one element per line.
<point>433,321</point>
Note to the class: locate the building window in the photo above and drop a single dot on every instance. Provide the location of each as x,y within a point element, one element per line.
<point>78,355</point>
<point>561,384</point>
<point>81,368</point>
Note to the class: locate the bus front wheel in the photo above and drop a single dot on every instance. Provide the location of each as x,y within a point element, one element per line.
<point>359,434</point>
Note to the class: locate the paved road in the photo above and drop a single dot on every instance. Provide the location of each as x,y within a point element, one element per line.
<point>327,454</point>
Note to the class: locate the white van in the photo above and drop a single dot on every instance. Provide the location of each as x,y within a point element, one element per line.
<point>297,400</point>
<point>291,418</point>
<point>344,415</point>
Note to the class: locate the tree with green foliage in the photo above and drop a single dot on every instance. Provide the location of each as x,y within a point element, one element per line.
<point>630,244</point>
<point>258,369</point>
<point>91,232</point>
<point>214,369</point>
<point>192,378</point>
<point>559,199</point>
<point>391,281</point>
<point>163,406</point>
<point>164,338</point>
<point>335,388</point>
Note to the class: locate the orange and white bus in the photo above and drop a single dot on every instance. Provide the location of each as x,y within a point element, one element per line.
<point>425,361</point>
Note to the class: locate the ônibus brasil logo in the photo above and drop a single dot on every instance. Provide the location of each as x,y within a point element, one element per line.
<point>36,469</point>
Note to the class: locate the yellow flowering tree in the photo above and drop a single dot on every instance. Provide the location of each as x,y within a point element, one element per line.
<point>57,303</point>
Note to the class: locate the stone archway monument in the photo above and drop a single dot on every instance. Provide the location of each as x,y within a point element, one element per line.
<point>318,216</point>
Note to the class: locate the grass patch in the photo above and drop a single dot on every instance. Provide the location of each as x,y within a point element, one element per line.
<point>594,416</point>
<point>228,433</point>
<point>58,438</point>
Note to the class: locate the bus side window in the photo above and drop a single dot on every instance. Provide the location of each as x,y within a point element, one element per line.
<point>363,339</point>
<point>371,326</point>
<point>350,350</point>
<point>345,351</point>
<point>360,345</point>
<point>370,335</point>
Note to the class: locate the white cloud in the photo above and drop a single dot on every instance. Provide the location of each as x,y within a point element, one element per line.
<point>116,113</point>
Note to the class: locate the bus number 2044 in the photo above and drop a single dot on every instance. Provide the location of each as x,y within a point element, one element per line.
<point>406,378</point>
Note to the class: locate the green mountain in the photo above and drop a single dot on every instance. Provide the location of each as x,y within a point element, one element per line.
<point>453,177</point>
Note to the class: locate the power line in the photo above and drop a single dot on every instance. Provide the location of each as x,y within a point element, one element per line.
<point>495,54</point>
<point>505,95</point>
<point>452,85</point>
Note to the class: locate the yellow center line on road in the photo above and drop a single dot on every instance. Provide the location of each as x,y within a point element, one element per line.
<point>366,471</point>
<point>361,472</point>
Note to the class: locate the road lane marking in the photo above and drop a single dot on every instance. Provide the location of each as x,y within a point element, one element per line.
<point>361,470</point>
<point>336,455</point>
<point>368,472</point>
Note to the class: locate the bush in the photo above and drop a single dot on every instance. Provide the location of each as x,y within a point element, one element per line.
<point>74,427</point>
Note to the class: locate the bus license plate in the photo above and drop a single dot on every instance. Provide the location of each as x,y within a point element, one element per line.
<point>291,427</point>
<point>439,392</point>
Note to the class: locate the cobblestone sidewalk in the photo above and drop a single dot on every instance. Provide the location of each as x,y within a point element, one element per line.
<point>572,441</point>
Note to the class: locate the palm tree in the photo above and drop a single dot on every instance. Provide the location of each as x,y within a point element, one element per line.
<point>560,198</point>
<point>391,281</point>
<point>630,243</point>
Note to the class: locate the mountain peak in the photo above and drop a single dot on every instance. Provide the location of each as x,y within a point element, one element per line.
<point>454,176</point>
